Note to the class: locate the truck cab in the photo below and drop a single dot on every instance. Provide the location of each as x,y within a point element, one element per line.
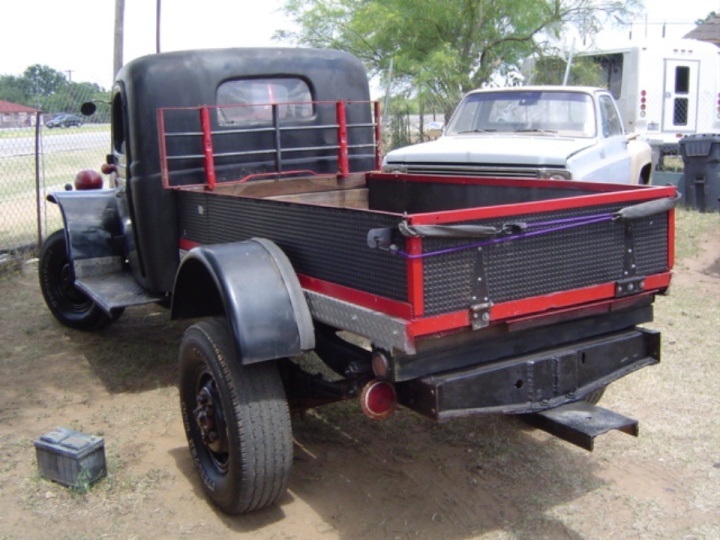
<point>241,94</point>
<point>554,132</point>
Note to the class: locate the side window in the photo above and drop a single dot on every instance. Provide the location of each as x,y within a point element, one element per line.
<point>615,76</point>
<point>611,122</point>
<point>682,88</point>
<point>118,125</point>
<point>245,102</point>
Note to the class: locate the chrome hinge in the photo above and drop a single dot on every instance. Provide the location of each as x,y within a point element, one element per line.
<point>480,315</point>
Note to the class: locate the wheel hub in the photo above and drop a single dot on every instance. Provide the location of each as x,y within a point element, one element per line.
<point>210,420</point>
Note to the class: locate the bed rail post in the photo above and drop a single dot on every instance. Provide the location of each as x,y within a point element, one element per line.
<point>343,167</point>
<point>207,147</point>
<point>378,136</point>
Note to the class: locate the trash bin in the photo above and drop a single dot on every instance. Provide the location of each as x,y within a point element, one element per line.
<point>700,183</point>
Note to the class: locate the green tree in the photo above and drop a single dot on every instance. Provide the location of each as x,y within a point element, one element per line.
<point>44,80</point>
<point>583,71</point>
<point>444,48</point>
<point>707,18</point>
<point>13,89</point>
<point>47,89</point>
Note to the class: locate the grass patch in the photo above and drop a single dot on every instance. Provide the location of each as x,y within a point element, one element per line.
<point>30,132</point>
<point>690,227</point>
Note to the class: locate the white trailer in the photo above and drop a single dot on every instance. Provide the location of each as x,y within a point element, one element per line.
<point>665,89</point>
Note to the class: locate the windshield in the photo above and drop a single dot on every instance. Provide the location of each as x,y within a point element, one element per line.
<point>547,112</point>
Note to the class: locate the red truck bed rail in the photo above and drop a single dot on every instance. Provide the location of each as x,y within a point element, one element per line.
<point>195,138</point>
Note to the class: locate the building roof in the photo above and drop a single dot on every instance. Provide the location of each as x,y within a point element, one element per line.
<point>8,107</point>
<point>708,31</point>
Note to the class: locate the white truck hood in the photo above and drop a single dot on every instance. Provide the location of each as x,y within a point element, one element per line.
<point>492,148</point>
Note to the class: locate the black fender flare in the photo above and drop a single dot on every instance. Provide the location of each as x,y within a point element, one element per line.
<point>253,284</point>
<point>91,222</point>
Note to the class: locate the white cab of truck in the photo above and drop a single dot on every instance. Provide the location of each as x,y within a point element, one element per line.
<point>546,132</point>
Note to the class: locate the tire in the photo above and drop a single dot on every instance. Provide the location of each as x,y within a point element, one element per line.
<point>69,305</point>
<point>237,421</point>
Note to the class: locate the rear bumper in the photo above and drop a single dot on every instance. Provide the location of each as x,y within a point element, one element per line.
<point>534,382</point>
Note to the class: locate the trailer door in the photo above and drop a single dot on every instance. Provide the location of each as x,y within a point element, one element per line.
<point>681,95</point>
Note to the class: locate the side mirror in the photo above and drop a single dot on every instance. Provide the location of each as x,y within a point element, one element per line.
<point>88,108</point>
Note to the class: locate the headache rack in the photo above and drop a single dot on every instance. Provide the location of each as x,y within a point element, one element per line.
<point>340,137</point>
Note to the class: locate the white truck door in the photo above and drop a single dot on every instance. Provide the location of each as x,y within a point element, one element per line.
<point>680,97</point>
<point>613,164</point>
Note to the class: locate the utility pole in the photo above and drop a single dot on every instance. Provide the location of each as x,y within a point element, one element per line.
<point>119,32</point>
<point>157,26</point>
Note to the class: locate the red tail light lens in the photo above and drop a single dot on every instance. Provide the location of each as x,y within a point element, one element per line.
<point>378,399</point>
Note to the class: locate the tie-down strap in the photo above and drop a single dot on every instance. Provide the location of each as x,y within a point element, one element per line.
<point>382,238</point>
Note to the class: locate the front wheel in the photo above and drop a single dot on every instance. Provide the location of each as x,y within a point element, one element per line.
<point>68,304</point>
<point>236,418</point>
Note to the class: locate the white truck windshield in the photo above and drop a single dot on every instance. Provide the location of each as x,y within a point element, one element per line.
<point>546,112</point>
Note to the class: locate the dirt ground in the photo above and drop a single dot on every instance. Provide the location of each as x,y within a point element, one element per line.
<point>483,477</point>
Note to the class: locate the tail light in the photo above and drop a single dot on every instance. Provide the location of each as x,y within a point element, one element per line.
<point>378,399</point>
<point>643,103</point>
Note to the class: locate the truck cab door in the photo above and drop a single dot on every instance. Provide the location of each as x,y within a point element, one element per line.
<point>614,158</point>
<point>121,159</point>
<point>680,95</point>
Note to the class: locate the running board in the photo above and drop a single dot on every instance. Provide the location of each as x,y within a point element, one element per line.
<point>115,290</point>
<point>580,422</point>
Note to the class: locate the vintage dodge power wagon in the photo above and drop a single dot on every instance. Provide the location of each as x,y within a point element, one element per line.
<point>245,194</point>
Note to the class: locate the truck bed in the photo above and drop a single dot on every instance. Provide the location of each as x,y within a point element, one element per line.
<point>558,246</point>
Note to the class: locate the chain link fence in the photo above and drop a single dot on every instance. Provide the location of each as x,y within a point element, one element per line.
<point>40,158</point>
<point>44,156</point>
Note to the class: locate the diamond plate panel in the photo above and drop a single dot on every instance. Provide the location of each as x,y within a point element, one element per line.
<point>385,331</point>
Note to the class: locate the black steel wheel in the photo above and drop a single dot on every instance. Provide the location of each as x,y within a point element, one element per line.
<point>67,303</point>
<point>236,418</point>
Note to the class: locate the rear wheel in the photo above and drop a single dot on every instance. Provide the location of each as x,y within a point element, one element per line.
<point>68,304</point>
<point>236,418</point>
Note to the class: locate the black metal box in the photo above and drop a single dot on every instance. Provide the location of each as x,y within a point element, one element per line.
<point>71,458</point>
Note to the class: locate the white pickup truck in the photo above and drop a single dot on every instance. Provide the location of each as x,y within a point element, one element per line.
<point>546,132</point>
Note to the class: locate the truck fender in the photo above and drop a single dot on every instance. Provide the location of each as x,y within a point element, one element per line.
<point>253,284</point>
<point>640,160</point>
<point>92,223</point>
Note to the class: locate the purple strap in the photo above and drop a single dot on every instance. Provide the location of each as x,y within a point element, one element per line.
<point>553,226</point>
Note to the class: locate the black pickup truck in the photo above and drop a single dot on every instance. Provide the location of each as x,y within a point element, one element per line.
<point>245,191</point>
